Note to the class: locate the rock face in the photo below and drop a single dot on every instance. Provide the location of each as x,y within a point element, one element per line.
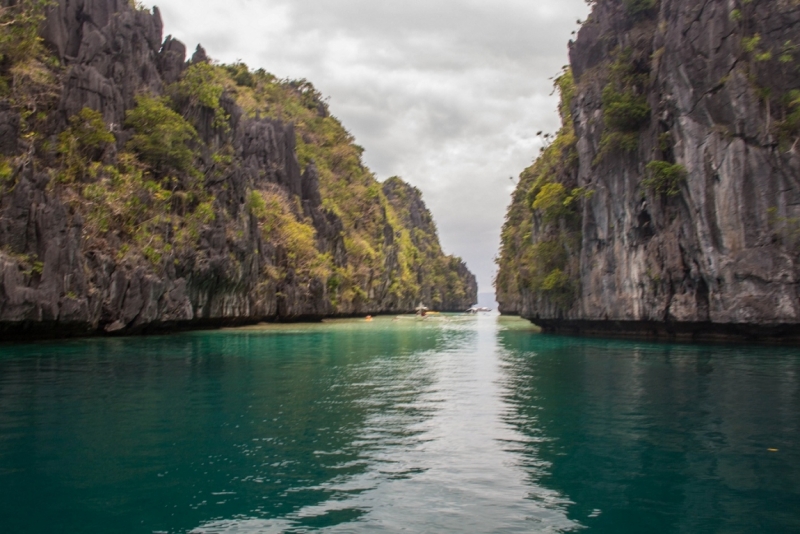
<point>63,273</point>
<point>445,282</point>
<point>701,243</point>
<point>113,52</point>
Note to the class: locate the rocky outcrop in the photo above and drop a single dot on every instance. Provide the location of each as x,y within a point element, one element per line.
<point>704,242</point>
<point>446,283</point>
<point>61,276</point>
<point>113,52</point>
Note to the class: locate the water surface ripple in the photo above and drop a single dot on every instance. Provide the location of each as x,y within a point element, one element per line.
<point>460,425</point>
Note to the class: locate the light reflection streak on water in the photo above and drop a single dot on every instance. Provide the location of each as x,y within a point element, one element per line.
<point>440,448</point>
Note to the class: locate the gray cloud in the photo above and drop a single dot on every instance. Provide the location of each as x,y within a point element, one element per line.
<point>447,94</point>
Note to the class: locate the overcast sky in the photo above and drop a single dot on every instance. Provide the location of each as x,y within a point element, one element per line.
<point>447,94</point>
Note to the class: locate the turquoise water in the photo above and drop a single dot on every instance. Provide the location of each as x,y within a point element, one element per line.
<point>466,425</point>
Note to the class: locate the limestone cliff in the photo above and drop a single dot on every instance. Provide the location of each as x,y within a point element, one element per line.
<point>669,203</point>
<point>445,281</point>
<point>139,191</point>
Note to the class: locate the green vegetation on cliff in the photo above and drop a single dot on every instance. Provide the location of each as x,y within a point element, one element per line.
<point>28,73</point>
<point>625,107</point>
<point>420,253</point>
<point>349,190</point>
<point>542,228</point>
<point>240,183</point>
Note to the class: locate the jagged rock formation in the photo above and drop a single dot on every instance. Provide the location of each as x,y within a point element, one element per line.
<point>139,191</point>
<point>669,204</point>
<point>445,281</point>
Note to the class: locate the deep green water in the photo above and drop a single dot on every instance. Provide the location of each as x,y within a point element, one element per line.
<point>472,425</point>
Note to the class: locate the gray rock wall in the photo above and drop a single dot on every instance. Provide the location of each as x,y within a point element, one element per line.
<point>721,255</point>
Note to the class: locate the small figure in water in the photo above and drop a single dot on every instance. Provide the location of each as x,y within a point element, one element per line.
<point>369,318</point>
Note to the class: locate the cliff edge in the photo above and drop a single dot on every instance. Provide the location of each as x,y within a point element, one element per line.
<point>140,191</point>
<point>668,205</point>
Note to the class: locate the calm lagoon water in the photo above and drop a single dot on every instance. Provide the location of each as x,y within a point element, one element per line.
<point>467,425</point>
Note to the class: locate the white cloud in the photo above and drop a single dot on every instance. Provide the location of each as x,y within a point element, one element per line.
<point>447,94</point>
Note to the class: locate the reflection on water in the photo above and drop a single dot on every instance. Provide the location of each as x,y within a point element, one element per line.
<point>471,424</point>
<point>661,438</point>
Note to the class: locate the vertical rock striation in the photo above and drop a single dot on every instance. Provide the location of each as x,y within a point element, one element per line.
<point>678,175</point>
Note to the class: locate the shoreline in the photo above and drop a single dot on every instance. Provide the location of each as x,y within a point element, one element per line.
<point>33,331</point>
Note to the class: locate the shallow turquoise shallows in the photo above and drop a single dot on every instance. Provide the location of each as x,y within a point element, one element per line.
<point>465,424</point>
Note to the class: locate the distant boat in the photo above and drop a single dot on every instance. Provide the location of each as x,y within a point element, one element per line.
<point>474,310</point>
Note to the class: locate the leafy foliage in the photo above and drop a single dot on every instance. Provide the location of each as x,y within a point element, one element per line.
<point>625,107</point>
<point>624,111</point>
<point>162,137</point>
<point>28,73</point>
<point>20,22</point>
<point>282,228</point>
<point>665,178</point>
<point>543,265</point>
<point>83,142</point>
<point>6,171</point>
<point>555,202</point>
<point>241,74</point>
<point>127,203</point>
<point>203,85</point>
<point>128,206</point>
